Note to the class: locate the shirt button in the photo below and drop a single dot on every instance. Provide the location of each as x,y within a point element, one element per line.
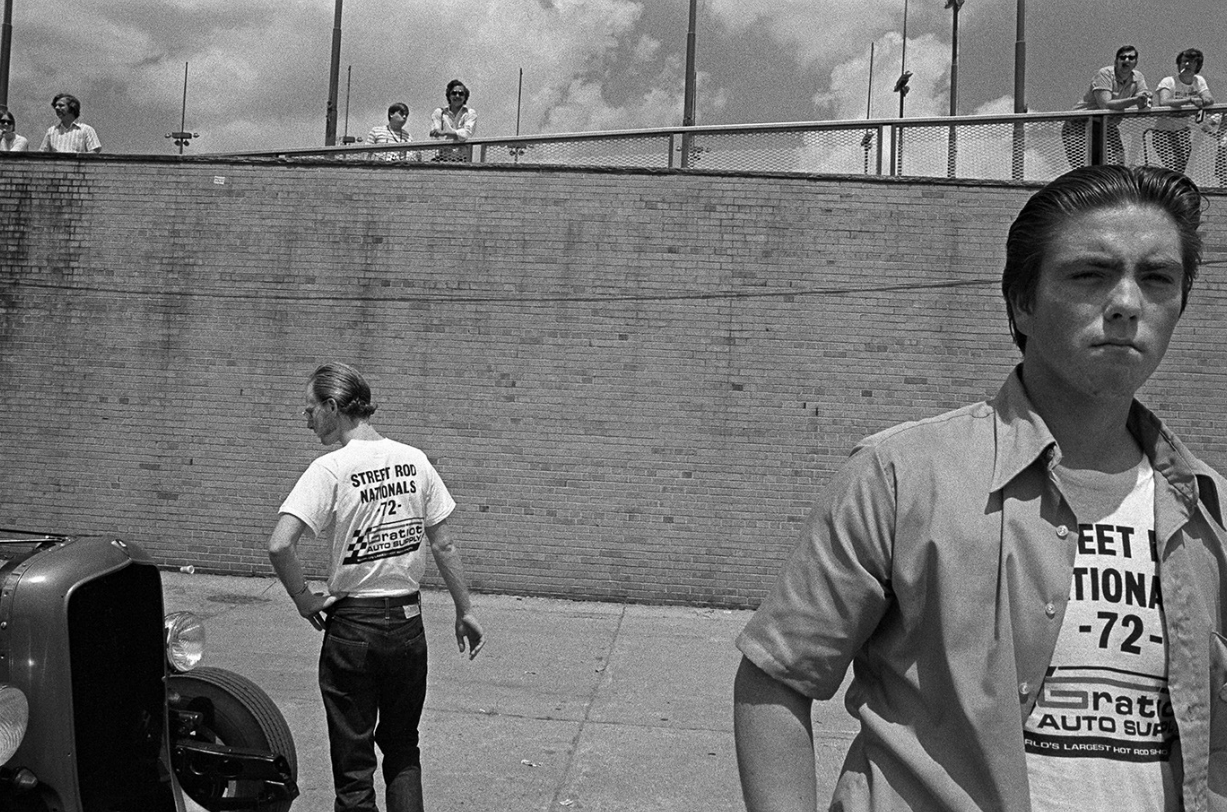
<point>1062,532</point>
<point>1024,689</point>
<point>1050,609</point>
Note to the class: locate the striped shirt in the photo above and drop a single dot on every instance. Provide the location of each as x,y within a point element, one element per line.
<point>76,137</point>
<point>383,134</point>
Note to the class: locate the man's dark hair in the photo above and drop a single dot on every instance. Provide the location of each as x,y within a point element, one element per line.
<point>398,107</point>
<point>1193,54</point>
<point>1087,189</point>
<point>345,386</point>
<point>453,84</point>
<point>74,106</point>
<point>1124,49</point>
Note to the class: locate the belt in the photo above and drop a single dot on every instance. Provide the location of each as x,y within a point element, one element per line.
<point>390,602</point>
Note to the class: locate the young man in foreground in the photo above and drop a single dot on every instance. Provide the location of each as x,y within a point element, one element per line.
<point>1029,589</point>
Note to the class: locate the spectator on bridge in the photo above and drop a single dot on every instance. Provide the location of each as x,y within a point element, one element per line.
<point>1187,89</point>
<point>392,133</point>
<point>1030,590</point>
<point>1115,87</point>
<point>10,141</point>
<point>69,135</point>
<point>456,123</point>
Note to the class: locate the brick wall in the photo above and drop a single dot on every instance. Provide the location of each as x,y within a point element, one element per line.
<point>633,382</point>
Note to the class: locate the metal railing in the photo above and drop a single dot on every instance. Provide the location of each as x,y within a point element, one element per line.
<point>1030,147</point>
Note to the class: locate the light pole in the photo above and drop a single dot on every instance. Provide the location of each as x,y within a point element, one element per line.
<point>689,92</point>
<point>334,73</point>
<point>6,47</point>
<point>905,75</point>
<point>901,87</point>
<point>1020,87</point>
<point>183,138</point>
<point>954,57</point>
<point>953,149</point>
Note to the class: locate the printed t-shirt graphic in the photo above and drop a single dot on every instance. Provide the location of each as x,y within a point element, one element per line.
<point>1102,734</point>
<point>384,494</point>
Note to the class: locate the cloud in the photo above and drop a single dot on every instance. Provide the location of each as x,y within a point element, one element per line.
<point>928,58</point>
<point>817,34</point>
<point>268,62</point>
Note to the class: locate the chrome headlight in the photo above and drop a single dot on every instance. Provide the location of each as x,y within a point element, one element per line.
<point>14,714</point>
<point>185,639</point>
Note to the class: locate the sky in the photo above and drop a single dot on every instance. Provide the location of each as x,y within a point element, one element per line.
<point>257,70</point>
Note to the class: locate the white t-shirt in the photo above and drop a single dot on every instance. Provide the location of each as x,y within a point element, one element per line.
<point>376,498</point>
<point>1102,736</point>
<point>1180,90</point>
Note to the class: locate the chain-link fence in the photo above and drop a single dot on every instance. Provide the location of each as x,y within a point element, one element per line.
<point>1031,147</point>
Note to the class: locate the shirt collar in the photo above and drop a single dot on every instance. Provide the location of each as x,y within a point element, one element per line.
<point>1023,438</point>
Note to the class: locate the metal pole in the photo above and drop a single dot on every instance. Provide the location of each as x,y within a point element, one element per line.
<point>903,61</point>
<point>519,96</point>
<point>349,76</point>
<point>689,96</point>
<point>952,143</point>
<point>6,49</point>
<point>334,75</point>
<point>1020,59</point>
<point>1020,89</point>
<point>896,153</point>
<point>954,57</point>
<point>183,113</point>
<point>867,138</point>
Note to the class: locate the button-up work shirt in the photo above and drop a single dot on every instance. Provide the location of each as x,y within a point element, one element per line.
<point>76,137</point>
<point>938,563</point>
<point>456,127</point>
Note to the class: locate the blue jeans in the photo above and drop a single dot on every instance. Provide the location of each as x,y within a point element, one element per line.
<point>373,681</point>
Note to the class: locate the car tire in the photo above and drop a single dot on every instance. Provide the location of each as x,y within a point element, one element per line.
<point>242,715</point>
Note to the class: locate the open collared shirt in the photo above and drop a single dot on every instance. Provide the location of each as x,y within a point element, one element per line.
<point>938,563</point>
<point>76,137</point>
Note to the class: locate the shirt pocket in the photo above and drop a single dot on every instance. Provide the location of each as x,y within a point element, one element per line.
<point>1218,724</point>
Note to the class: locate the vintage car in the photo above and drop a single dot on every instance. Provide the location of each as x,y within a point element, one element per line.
<point>102,707</point>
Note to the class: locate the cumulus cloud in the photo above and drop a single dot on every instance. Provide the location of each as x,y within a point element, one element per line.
<point>258,74</point>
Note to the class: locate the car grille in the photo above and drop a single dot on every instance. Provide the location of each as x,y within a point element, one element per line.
<point>117,655</point>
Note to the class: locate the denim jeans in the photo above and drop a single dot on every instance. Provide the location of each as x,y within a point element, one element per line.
<point>373,682</point>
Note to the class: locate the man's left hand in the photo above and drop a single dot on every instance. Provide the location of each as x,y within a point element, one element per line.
<point>468,629</point>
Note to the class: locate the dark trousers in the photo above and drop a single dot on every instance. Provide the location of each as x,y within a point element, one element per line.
<point>373,681</point>
<point>1073,136</point>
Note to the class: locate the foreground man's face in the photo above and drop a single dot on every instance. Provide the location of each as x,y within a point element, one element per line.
<point>1106,304</point>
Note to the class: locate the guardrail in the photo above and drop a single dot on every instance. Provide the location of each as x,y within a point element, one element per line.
<point>1030,146</point>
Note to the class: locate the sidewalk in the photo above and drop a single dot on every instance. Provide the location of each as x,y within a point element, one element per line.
<point>571,705</point>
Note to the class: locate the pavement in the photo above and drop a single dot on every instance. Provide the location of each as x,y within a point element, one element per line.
<point>571,704</point>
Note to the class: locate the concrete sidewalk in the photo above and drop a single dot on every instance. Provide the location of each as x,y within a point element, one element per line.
<point>570,705</point>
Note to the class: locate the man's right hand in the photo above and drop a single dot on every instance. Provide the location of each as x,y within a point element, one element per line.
<point>311,605</point>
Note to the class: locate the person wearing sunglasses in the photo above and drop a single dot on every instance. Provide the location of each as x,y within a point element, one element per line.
<point>1115,88</point>
<point>456,123</point>
<point>10,141</point>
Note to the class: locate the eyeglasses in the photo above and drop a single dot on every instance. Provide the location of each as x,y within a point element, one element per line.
<point>459,93</point>
<point>1128,58</point>
<point>4,122</point>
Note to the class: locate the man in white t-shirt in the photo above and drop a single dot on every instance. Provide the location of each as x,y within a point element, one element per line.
<point>379,501</point>
<point>1185,91</point>
<point>1030,591</point>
